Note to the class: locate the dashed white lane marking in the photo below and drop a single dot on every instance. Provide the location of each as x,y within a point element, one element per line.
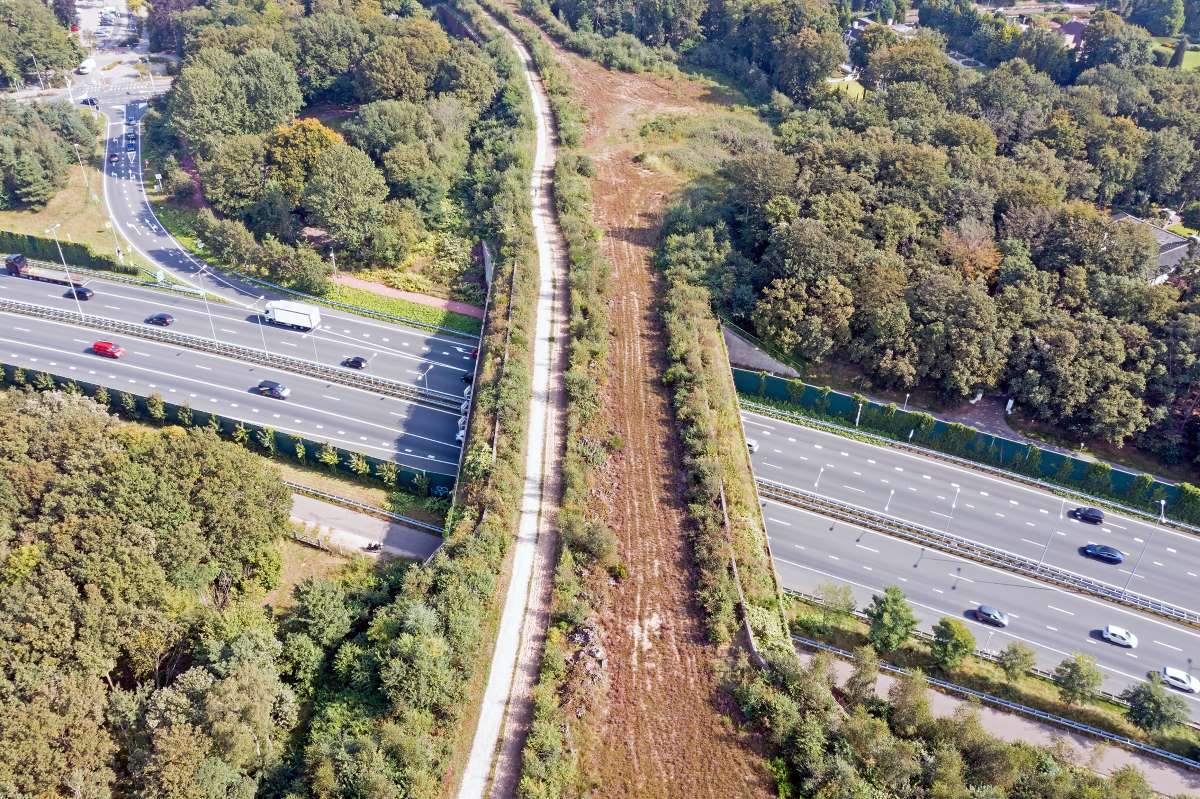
<point>983,493</point>
<point>1168,646</point>
<point>869,549</point>
<point>1051,629</point>
<point>779,521</point>
<point>1060,610</point>
<point>1035,543</point>
<point>852,488</point>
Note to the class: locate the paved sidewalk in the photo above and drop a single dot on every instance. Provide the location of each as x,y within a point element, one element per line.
<point>348,529</point>
<point>1165,778</point>
<point>422,299</point>
<point>748,356</point>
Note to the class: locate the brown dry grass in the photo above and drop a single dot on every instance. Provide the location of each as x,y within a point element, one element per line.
<point>661,726</point>
<point>300,562</point>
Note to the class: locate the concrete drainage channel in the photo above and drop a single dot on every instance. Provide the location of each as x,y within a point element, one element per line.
<point>379,385</point>
<point>981,553</point>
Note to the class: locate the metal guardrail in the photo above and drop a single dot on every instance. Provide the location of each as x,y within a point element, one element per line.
<point>966,463</point>
<point>1015,707</point>
<point>982,553</point>
<point>353,504</point>
<point>379,385</point>
<point>130,279</point>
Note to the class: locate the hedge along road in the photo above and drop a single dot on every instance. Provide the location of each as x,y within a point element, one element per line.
<point>507,698</point>
<point>1024,521</point>
<point>395,353</point>
<point>810,550</point>
<point>349,418</point>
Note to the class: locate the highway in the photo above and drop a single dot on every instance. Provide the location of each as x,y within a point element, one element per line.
<point>968,503</point>
<point>397,353</point>
<point>349,418</point>
<point>810,550</point>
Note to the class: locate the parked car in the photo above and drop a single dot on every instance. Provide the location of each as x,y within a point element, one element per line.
<point>161,319</point>
<point>752,445</point>
<point>113,158</point>
<point>1180,680</point>
<point>355,362</point>
<point>1104,552</point>
<point>990,615</point>
<point>272,389</point>
<point>94,102</point>
<point>81,293</point>
<point>1119,636</point>
<point>108,349</point>
<point>1089,515</point>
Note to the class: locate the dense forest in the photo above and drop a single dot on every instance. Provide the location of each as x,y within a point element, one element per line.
<point>133,658</point>
<point>37,142</point>
<point>389,152</point>
<point>34,38</point>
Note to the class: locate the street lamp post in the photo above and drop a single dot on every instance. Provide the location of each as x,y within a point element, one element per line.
<point>261,331</point>
<point>53,231</point>
<point>953,506</point>
<point>116,243</point>
<point>817,482</point>
<point>1140,556</point>
<point>1046,548</point>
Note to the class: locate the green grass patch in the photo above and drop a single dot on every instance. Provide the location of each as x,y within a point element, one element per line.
<point>396,306</point>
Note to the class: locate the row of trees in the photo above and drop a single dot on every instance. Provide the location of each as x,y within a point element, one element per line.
<point>37,142</point>
<point>892,623</point>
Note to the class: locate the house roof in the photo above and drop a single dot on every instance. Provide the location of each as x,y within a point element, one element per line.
<point>1172,248</point>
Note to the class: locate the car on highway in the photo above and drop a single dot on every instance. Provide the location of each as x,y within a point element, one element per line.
<point>1180,680</point>
<point>355,362</point>
<point>94,102</point>
<point>272,389</point>
<point>990,615</point>
<point>113,158</point>
<point>130,146</point>
<point>1119,636</point>
<point>1104,552</point>
<point>752,445</point>
<point>80,293</point>
<point>108,349</point>
<point>162,319</point>
<point>1088,515</point>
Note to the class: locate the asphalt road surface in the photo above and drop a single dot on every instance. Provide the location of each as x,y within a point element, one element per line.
<point>811,550</point>
<point>349,418</point>
<point>397,353</point>
<point>1022,520</point>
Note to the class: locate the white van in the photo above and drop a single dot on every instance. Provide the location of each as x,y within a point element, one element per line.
<point>87,66</point>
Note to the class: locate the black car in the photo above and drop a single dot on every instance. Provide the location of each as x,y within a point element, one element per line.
<point>113,158</point>
<point>161,319</point>
<point>355,362</point>
<point>94,102</point>
<point>81,293</point>
<point>269,388</point>
<point>1104,552</point>
<point>990,615</point>
<point>1089,515</point>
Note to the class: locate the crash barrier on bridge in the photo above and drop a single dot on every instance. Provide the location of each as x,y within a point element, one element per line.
<point>243,431</point>
<point>1014,707</point>
<point>1007,474</point>
<point>981,553</point>
<point>1139,493</point>
<point>353,504</point>
<point>345,377</point>
<point>48,249</point>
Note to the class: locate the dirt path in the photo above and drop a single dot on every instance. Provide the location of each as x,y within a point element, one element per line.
<point>661,726</point>
<point>507,708</point>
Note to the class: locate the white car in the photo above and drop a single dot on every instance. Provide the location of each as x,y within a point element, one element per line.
<point>1119,636</point>
<point>752,445</point>
<point>1180,679</point>
<point>461,435</point>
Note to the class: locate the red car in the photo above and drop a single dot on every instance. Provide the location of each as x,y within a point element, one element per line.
<point>108,349</point>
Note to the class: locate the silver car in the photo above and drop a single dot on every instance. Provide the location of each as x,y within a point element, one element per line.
<point>1119,636</point>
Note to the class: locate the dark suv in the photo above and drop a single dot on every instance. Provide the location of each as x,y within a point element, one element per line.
<point>1104,552</point>
<point>269,388</point>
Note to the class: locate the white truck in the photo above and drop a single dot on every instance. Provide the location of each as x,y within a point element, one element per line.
<point>299,315</point>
